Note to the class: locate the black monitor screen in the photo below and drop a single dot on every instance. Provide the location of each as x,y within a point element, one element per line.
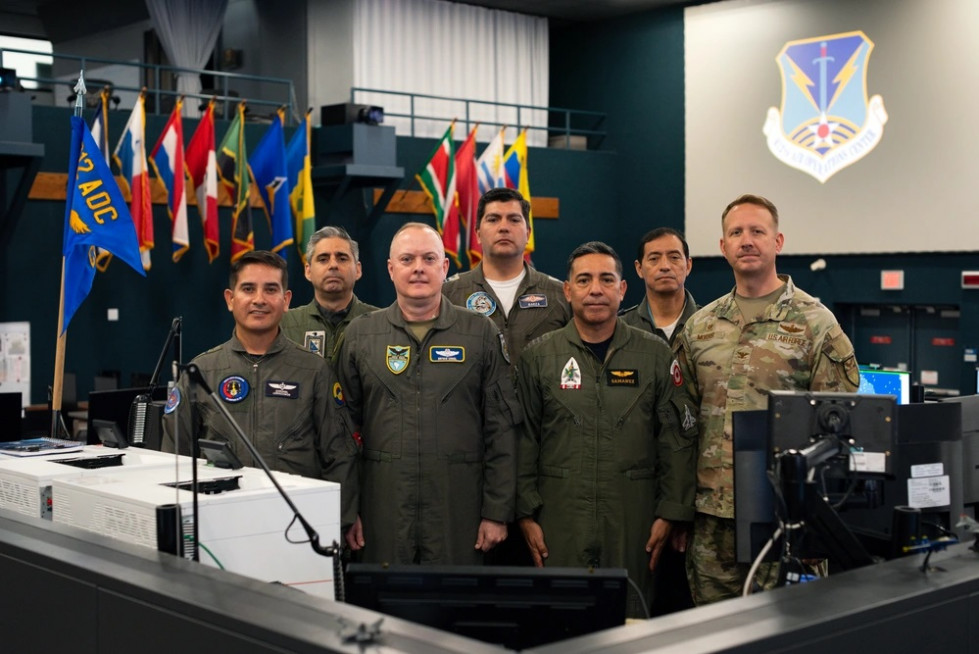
<point>516,607</point>
<point>113,406</point>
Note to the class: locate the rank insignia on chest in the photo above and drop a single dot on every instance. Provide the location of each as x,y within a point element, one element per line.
<point>571,375</point>
<point>315,341</point>
<point>234,388</point>
<point>481,303</point>
<point>532,301</point>
<point>397,357</point>
<point>285,389</point>
<point>628,377</point>
<point>446,354</point>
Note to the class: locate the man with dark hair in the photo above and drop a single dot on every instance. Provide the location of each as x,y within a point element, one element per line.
<point>285,398</point>
<point>429,390</point>
<point>332,267</point>
<point>766,334</point>
<point>522,302</point>
<point>606,462</point>
<point>663,263</point>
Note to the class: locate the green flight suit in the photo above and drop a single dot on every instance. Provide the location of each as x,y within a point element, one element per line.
<point>438,422</point>
<point>638,317</point>
<point>538,306</point>
<point>305,325</point>
<point>606,448</point>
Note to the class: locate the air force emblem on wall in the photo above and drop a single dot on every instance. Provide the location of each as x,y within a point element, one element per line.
<point>826,121</point>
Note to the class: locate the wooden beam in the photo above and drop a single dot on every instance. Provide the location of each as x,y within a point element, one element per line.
<point>418,202</point>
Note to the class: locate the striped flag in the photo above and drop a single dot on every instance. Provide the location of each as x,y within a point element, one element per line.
<point>232,159</point>
<point>515,167</point>
<point>300,168</point>
<point>467,186</point>
<point>202,169</point>
<point>490,164</point>
<point>130,157</point>
<point>167,159</point>
<point>438,180</point>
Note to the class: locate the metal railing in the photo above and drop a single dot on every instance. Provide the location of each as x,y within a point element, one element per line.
<point>562,122</point>
<point>222,92</point>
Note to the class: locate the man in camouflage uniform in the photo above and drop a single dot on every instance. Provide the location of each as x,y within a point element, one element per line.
<point>663,263</point>
<point>332,267</point>
<point>606,462</point>
<point>766,334</point>
<point>522,302</point>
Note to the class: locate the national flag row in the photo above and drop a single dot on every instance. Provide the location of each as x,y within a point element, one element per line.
<point>454,179</point>
<point>280,172</point>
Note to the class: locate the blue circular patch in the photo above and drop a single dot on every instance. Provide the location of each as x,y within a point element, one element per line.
<point>481,303</point>
<point>234,389</point>
<point>173,400</point>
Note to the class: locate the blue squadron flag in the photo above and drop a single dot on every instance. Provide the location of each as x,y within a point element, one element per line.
<point>96,216</point>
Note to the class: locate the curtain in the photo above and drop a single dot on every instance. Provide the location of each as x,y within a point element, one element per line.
<point>457,51</point>
<point>188,30</point>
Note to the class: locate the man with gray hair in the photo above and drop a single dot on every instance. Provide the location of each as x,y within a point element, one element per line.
<point>332,267</point>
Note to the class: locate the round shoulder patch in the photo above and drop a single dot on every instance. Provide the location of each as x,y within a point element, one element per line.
<point>234,388</point>
<point>676,373</point>
<point>481,303</point>
<point>337,394</point>
<point>173,400</point>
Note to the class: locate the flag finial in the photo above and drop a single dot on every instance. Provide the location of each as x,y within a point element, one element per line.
<point>80,92</point>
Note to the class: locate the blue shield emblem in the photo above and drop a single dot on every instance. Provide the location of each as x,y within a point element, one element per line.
<point>826,122</point>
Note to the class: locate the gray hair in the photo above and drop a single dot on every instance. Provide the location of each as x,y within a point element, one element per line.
<point>331,231</point>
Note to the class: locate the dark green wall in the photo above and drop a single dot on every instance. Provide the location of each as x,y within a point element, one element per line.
<point>631,69</point>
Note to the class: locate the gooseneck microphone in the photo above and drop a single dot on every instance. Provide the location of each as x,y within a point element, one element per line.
<point>334,550</point>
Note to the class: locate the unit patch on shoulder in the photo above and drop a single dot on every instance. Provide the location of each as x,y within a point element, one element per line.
<point>397,358</point>
<point>624,377</point>
<point>571,375</point>
<point>173,400</point>
<point>337,394</point>
<point>532,301</point>
<point>676,373</point>
<point>481,303</point>
<point>282,389</point>
<point>233,389</point>
<point>446,353</point>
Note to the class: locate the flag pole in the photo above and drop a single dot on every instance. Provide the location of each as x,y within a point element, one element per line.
<point>57,422</point>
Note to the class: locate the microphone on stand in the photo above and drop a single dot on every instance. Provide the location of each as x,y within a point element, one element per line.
<point>144,414</point>
<point>333,551</point>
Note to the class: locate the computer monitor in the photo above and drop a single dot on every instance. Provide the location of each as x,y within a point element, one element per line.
<point>874,381</point>
<point>516,607</point>
<point>114,406</point>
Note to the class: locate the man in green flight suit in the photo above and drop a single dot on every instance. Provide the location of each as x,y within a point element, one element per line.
<point>429,390</point>
<point>332,267</point>
<point>606,461</point>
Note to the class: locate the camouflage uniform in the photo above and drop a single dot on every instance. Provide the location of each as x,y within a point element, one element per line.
<point>638,317</point>
<point>305,325</point>
<point>728,365</point>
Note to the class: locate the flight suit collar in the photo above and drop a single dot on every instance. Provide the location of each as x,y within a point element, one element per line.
<point>530,278</point>
<point>620,338</point>
<point>280,343</point>
<point>445,320</point>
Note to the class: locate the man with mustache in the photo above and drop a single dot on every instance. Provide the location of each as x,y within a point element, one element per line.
<point>429,391</point>
<point>606,462</point>
<point>663,263</point>
<point>766,334</point>
<point>332,267</point>
<point>280,394</point>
